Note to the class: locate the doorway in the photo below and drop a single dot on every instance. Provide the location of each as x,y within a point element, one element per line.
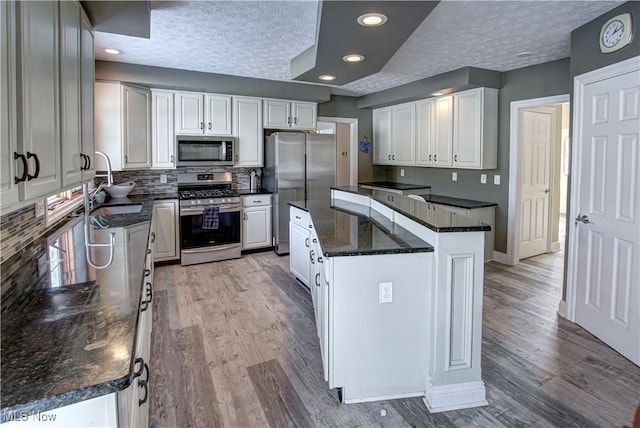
<point>538,173</point>
<point>346,132</point>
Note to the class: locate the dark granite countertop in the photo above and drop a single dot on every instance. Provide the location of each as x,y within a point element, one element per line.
<point>68,329</point>
<point>438,220</point>
<point>394,185</point>
<point>457,202</point>
<point>337,224</point>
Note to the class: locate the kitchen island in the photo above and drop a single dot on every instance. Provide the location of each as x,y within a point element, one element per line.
<point>397,291</point>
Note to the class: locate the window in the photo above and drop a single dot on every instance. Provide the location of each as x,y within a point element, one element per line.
<point>61,204</point>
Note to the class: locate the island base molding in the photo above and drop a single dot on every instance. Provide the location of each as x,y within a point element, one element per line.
<point>383,397</point>
<point>454,397</point>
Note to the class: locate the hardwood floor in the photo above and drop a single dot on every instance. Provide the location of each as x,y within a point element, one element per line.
<point>234,345</point>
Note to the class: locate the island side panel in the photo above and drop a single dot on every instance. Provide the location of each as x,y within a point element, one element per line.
<point>380,350</point>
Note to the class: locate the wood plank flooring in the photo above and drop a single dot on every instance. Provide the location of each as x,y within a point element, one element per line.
<point>234,345</point>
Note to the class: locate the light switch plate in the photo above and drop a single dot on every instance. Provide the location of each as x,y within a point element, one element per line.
<point>454,176</point>
<point>483,178</point>
<point>39,208</point>
<point>401,172</point>
<point>496,179</point>
<point>163,178</point>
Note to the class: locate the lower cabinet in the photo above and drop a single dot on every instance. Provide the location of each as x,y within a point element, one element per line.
<point>165,229</point>
<point>299,244</point>
<point>256,225</point>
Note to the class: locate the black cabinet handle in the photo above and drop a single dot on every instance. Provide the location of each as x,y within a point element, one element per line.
<point>148,250</point>
<point>298,217</point>
<point>144,305</point>
<point>153,237</point>
<point>315,240</point>
<point>306,242</point>
<point>140,361</point>
<point>455,158</point>
<point>147,272</point>
<point>143,384</point>
<point>37,173</point>
<point>429,158</point>
<point>312,254</point>
<point>25,168</point>
<point>83,167</point>
<point>149,292</point>
<point>209,125</point>
<point>88,161</point>
<point>318,279</point>
<point>435,158</point>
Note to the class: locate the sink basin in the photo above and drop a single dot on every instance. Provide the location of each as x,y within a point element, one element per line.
<point>120,190</point>
<point>117,209</point>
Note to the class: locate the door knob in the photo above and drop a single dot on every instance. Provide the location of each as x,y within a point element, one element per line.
<point>582,219</point>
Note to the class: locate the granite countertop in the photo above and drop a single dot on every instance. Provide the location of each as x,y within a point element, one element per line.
<point>394,185</point>
<point>438,220</point>
<point>348,229</point>
<point>457,202</point>
<point>68,329</point>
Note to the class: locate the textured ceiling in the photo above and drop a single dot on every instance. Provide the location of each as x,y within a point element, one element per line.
<point>259,39</point>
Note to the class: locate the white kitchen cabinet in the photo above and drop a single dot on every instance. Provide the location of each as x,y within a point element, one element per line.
<point>424,132</point>
<point>394,135</point>
<point>8,109</point>
<point>299,244</point>
<point>475,129</point>
<point>247,127</point>
<point>282,114</point>
<point>39,95</point>
<point>162,134</point>
<point>442,147</point>
<point>166,229</point>
<point>382,146</point>
<point>87,79</point>
<point>122,125</point>
<point>202,114</point>
<point>256,226</point>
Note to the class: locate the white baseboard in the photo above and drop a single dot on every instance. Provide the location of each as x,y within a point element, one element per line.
<point>500,257</point>
<point>454,397</point>
<point>555,246</point>
<point>383,397</point>
<point>562,308</point>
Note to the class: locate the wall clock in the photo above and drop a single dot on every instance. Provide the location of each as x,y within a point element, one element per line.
<point>616,33</point>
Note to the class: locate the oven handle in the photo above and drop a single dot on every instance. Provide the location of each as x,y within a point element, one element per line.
<point>200,211</point>
<point>209,249</point>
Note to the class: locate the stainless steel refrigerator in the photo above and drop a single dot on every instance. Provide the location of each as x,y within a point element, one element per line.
<point>298,166</point>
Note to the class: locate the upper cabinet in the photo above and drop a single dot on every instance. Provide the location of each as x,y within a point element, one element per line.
<point>453,131</point>
<point>394,135</point>
<point>87,79</point>
<point>8,109</point>
<point>202,114</point>
<point>123,125</point>
<point>162,133</point>
<point>247,127</point>
<point>282,114</point>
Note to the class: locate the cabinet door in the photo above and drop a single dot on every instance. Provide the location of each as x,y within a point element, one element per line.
<point>299,252</point>
<point>8,130</point>
<point>247,127</point>
<point>256,231</point>
<point>189,113</point>
<point>382,136</point>
<point>70,97</point>
<point>136,127</point>
<point>467,129</point>
<point>304,115</point>
<point>87,78</point>
<point>165,226</point>
<point>443,132</point>
<point>277,114</point>
<point>424,132</point>
<point>324,322</point>
<point>403,131</point>
<point>162,136</point>
<point>217,113</point>
<point>39,95</point>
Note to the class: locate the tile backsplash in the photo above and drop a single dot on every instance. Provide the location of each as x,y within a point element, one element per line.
<point>18,229</point>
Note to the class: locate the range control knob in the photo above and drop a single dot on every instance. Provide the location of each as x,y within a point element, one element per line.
<point>198,202</point>
<point>210,201</point>
<point>193,202</point>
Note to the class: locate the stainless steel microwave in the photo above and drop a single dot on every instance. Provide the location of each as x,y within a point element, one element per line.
<point>204,150</point>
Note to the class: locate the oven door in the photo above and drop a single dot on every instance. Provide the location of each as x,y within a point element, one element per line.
<point>194,236</point>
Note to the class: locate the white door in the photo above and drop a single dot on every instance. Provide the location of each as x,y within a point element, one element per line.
<point>536,139</point>
<point>606,249</point>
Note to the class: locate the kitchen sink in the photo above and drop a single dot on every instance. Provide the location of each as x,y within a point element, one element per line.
<point>117,209</point>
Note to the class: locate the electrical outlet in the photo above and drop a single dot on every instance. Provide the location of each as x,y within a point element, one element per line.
<point>386,292</point>
<point>163,178</point>
<point>483,178</point>
<point>454,176</point>
<point>496,179</point>
<point>39,206</point>
<point>401,172</point>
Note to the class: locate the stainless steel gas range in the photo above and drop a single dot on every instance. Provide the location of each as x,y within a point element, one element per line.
<point>209,218</point>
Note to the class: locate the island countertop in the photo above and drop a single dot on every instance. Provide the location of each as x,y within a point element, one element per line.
<point>438,220</point>
<point>68,329</point>
<point>348,229</point>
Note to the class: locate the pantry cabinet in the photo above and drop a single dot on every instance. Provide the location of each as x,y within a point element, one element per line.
<point>123,125</point>
<point>202,114</point>
<point>256,226</point>
<point>162,133</point>
<point>282,114</point>
<point>247,127</point>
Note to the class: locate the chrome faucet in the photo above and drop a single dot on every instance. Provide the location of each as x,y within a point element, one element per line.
<point>109,174</point>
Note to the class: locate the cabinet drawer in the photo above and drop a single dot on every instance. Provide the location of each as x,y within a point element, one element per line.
<point>300,217</point>
<point>256,200</point>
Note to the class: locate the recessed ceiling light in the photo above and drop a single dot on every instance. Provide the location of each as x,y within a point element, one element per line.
<point>353,58</point>
<point>524,54</point>
<point>113,51</point>
<point>327,77</point>
<point>372,19</point>
<point>437,94</point>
